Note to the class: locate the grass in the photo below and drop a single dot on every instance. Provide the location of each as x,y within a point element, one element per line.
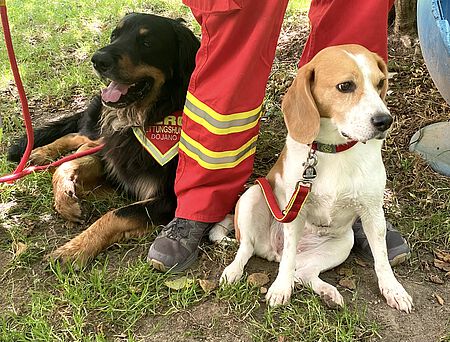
<point>119,297</point>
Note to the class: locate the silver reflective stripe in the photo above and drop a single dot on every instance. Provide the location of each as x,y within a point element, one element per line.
<point>221,124</point>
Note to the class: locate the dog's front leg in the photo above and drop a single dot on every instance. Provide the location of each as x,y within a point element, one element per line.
<point>281,289</point>
<point>131,221</point>
<point>374,225</point>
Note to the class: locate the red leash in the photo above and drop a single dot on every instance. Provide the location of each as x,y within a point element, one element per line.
<point>295,203</point>
<point>303,186</point>
<point>23,98</point>
<point>301,192</point>
<point>21,171</point>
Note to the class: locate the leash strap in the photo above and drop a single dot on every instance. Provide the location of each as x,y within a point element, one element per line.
<point>303,186</point>
<point>295,203</point>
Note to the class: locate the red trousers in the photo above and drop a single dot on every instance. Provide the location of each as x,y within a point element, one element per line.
<point>227,87</point>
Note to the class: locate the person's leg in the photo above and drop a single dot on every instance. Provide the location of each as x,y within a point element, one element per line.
<point>220,121</point>
<point>364,22</point>
<point>337,22</point>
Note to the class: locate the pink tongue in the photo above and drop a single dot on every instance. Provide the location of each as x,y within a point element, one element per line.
<point>114,92</point>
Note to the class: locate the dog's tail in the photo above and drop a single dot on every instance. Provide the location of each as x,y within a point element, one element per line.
<point>56,129</point>
<point>45,135</point>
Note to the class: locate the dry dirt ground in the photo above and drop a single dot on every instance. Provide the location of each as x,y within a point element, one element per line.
<point>415,102</point>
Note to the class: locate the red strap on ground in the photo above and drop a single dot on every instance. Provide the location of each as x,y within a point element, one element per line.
<point>293,207</point>
<point>23,98</point>
<point>30,169</point>
<point>21,171</point>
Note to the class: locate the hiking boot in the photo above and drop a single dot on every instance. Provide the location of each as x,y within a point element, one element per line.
<point>176,246</point>
<point>397,247</point>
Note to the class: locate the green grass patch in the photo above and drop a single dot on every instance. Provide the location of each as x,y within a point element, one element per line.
<point>94,303</point>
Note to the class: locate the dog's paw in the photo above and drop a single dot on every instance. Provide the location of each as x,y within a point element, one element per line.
<point>279,293</point>
<point>40,156</point>
<point>231,274</point>
<point>330,296</point>
<point>69,253</point>
<point>67,203</point>
<point>396,296</point>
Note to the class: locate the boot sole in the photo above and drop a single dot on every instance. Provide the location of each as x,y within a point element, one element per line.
<point>158,265</point>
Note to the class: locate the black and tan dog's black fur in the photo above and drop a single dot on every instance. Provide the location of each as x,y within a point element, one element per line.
<point>153,57</point>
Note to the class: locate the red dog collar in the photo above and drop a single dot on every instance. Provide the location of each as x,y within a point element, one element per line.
<point>317,146</point>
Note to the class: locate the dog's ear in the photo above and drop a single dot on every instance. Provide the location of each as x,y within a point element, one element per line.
<point>299,108</point>
<point>188,45</point>
<point>383,67</point>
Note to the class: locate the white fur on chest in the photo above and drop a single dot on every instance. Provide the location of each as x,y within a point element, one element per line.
<point>347,184</point>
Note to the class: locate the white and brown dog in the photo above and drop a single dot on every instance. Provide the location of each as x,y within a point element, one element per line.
<point>336,98</point>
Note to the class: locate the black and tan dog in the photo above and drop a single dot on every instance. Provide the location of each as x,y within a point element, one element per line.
<point>148,64</point>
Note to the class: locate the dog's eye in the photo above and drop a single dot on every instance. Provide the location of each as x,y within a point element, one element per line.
<point>346,87</point>
<point>380,84</point>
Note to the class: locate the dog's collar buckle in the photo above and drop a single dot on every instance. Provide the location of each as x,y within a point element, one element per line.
<point>309,171</point>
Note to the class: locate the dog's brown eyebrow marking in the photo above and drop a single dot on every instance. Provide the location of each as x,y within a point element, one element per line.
<point>143,31</point>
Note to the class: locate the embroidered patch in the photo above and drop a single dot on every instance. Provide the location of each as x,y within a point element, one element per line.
<point>161,139</point>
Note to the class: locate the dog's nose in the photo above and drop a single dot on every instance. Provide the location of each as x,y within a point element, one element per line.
<point>102,61</point>
<point>381,121</point>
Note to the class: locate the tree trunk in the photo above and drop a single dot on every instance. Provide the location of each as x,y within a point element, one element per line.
<point>405,17</point>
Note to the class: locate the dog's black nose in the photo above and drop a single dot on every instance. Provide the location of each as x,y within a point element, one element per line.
<point>102,61</point>
<point>381,121</point>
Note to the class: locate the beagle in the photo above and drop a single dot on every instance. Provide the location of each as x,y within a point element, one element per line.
<point>336,98</point>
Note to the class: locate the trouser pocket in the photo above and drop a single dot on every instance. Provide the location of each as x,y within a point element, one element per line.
<point>215,6</point>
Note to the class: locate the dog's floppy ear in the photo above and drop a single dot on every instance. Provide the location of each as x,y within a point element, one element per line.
<point>383,67</point>
<point>301,115</point>
<point>188,45</point>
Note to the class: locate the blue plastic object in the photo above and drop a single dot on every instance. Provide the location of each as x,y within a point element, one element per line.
<point>433,17</point>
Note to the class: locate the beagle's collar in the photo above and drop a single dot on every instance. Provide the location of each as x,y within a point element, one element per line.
<point>327,148</point>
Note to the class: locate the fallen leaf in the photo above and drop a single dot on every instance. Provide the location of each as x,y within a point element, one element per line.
<point>434,278</point>
<point>258,279</point>
<point>19,248</point>
<point>179,283</point>
<point>442,255</point>
<point>207,285</point>
<point>439,299</point>
<point>442,265</point>
<point>360,262</point>
<point>348,283</point>
<point>344,271</point>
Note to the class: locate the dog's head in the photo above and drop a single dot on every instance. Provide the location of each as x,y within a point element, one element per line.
<point>147,54</point>
<point>345,83</point>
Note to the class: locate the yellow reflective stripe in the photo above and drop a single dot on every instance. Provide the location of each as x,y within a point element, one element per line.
<point>215,154</point>
<point>222,117</point>
<point>162,159</point>
<point>215,166</point>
